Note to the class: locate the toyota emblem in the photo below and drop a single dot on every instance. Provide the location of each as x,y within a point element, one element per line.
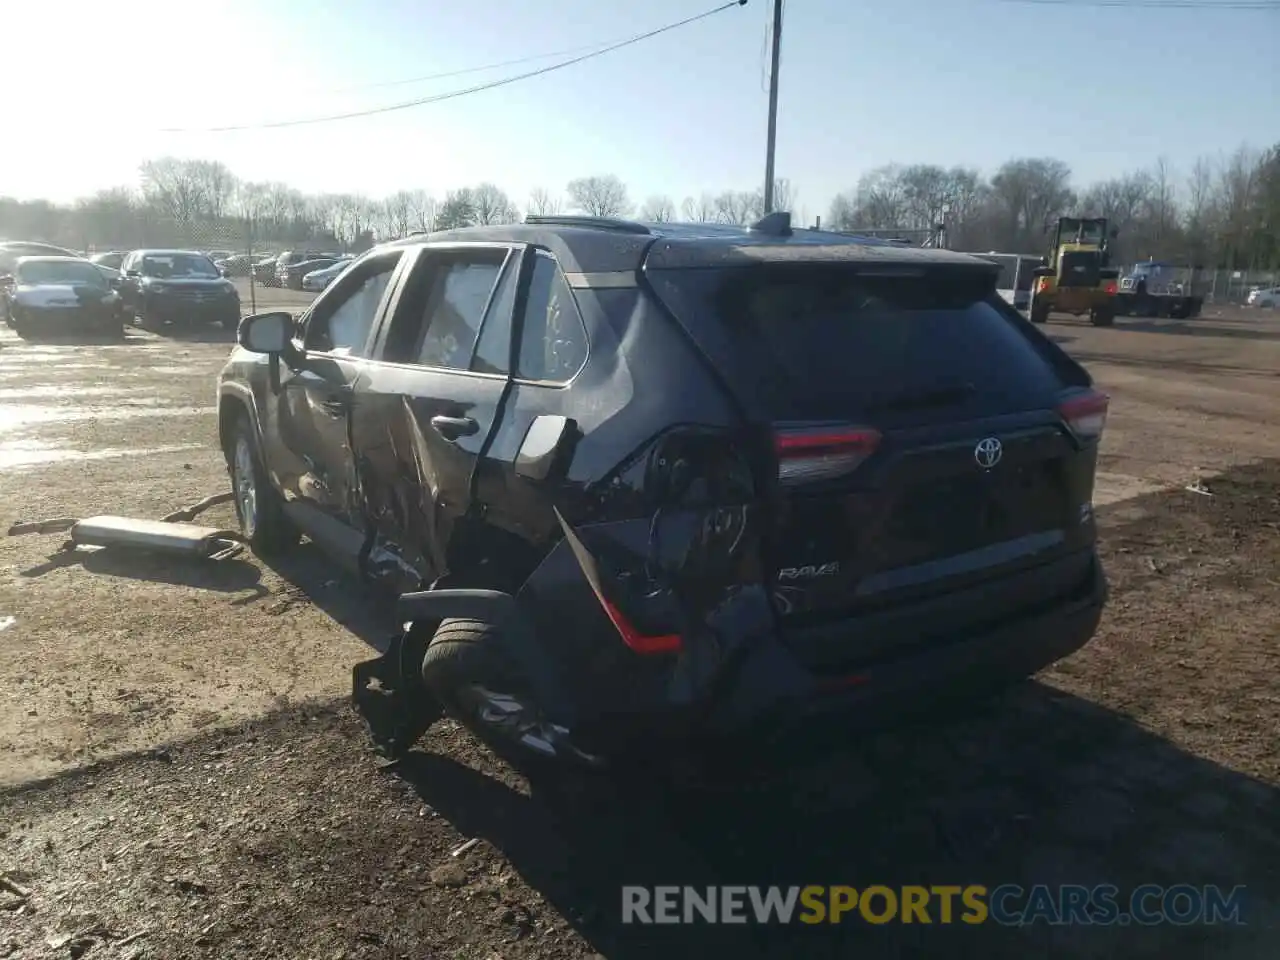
<point>988,452</point>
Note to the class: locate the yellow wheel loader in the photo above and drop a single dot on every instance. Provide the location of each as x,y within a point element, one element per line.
<point>1077,277</point>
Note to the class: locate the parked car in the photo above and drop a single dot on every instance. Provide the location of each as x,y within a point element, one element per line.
<point>264,270</point>
<point>110,258</point>
<point>291,275</point>
<point>216,255</point>
<point>1264,297</point>
<point>47,296</point>
<point>11,250</point>
<point>726,479</point>
<point>238,265</point>
<point>181,287</point>
<point>289,258</point>
<point>317,280</point>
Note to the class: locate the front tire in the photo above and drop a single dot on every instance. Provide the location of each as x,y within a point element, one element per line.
<point>259,508</point>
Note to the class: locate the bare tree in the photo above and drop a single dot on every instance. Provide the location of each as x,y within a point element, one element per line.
<point>458,210</point>
<point>173,187</point>
<point>600,196</point>
<point>1029,193</point>
<point>542,203</point>
<point>399,213</point>
<point>490,205</point>
<point>699,209</point>
<point>422,210</point>
<point>658,209</point>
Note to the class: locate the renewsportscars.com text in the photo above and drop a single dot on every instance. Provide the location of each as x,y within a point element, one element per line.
<point>1007,905</point>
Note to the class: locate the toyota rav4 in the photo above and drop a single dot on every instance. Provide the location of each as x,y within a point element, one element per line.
<point>639,483</point>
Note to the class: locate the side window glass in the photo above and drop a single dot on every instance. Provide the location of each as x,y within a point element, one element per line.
<point>493,351</point>
<point>456,302</point>
<point>342,325</point>
<point>553,344</point>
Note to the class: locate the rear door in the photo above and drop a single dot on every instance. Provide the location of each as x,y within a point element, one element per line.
<point>434,395</point>
<point>915,421</point>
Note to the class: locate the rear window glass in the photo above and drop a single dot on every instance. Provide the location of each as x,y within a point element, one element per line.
<point>824,342</point>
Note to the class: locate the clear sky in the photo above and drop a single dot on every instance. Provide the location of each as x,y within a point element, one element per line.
<point>862,84</point>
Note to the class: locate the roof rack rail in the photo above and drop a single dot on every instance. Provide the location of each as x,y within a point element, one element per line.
<point>598,223</point>
<point>776,224</point>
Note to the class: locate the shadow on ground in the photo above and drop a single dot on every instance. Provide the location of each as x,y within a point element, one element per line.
<point>366,610</point>
<point>231,575</point>
<point>1042,789</point>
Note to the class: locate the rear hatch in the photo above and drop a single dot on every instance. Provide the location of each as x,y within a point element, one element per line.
<point>926,437</point>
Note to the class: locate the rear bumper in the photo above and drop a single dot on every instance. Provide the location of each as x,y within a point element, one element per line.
<point>773,692</point>
<point>769,691</point>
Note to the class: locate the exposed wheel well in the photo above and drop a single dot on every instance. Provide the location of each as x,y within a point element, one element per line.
<point>231,410</point>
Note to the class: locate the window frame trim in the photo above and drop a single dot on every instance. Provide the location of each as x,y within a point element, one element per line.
<point>303,321</point>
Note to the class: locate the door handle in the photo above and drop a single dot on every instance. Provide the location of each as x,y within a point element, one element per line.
<point>452,428</point>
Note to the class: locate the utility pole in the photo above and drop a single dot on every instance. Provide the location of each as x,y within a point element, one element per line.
<point>773,107</point>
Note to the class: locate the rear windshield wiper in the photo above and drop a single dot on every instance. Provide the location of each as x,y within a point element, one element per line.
<point>940,395</point>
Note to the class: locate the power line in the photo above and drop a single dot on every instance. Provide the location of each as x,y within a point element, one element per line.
<point>425,78</point>
<point>478,88</point>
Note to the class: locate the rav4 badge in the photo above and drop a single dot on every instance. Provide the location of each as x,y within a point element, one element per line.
<point>810,572</point>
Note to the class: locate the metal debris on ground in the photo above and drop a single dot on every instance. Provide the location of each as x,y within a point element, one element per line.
<point>172,534</point>
<point>1200,488</point>
<point>464,847</point>
<point>7,622</point>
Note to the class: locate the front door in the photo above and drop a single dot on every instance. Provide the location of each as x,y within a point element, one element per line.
<point>435,389</point>
<point>312,458</point>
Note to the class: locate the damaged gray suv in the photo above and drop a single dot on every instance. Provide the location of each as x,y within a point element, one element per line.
<point>636,483</point>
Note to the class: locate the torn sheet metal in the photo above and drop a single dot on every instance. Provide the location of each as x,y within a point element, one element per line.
<point>170,535</point>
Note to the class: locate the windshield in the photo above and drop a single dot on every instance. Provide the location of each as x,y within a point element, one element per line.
<point>37,272</point>
<point>179,265</point>
<point>1081,231</point>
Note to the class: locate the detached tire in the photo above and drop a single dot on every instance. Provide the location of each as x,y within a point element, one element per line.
<point>259,508</point>
<point>467,671</point>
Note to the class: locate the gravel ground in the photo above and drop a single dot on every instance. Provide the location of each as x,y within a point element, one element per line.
<point>180,776</point>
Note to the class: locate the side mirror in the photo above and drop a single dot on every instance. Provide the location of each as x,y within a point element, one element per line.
<point>133,273</point>
<point>267,333</point>
<point>113,282</point>
<point>224,272</point>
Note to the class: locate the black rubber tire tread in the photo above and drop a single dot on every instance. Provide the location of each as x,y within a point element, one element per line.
<point>273,534</point>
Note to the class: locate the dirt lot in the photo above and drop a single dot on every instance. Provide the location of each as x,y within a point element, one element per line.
<point>180,777</point>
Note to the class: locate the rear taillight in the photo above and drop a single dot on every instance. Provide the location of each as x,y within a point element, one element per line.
<point>807,454</point>
<point>1042,284</point>
<point>1111,289</point>
<point>1085,414</point>
<point>633,638</point>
